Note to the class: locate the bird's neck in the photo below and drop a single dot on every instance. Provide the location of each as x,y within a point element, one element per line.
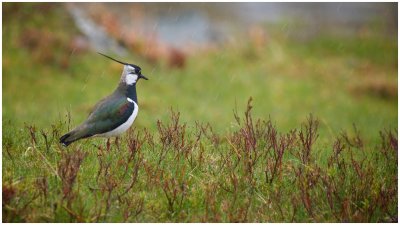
<point>129,91</point>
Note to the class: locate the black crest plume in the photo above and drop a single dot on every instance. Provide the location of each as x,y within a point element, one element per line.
<point>113,59</point>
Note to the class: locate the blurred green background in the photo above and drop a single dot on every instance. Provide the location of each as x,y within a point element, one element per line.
<point>342,71</point>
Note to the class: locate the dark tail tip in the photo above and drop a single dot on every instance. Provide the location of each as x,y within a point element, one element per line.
<point>63,140</point>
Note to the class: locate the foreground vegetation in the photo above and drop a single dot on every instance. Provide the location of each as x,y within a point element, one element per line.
<point>190,174</point>
<point>201,160</point>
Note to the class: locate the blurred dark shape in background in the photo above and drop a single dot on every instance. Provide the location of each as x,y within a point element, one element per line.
<point>176,58</point>
<point>170,31</point>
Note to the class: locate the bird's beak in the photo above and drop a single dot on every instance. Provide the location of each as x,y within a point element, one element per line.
<point>142,76</point>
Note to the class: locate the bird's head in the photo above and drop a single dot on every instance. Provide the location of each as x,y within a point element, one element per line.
<point>131,73</point>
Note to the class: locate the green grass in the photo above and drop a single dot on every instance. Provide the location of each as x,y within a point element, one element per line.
<point>340,81</point>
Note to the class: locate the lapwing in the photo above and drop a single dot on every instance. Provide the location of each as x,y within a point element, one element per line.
<point>115,113</point>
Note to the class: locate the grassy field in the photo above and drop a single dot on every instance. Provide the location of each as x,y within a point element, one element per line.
<point>318,145</point>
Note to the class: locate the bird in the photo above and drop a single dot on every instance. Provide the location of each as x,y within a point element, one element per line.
<point>114,114</point>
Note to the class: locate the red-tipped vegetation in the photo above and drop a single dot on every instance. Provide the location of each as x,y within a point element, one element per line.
<point>184,173</point>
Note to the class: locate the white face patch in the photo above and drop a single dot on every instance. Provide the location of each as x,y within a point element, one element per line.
<point>131,79</point>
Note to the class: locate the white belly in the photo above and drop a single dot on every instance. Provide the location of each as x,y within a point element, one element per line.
<point>123,127</point>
